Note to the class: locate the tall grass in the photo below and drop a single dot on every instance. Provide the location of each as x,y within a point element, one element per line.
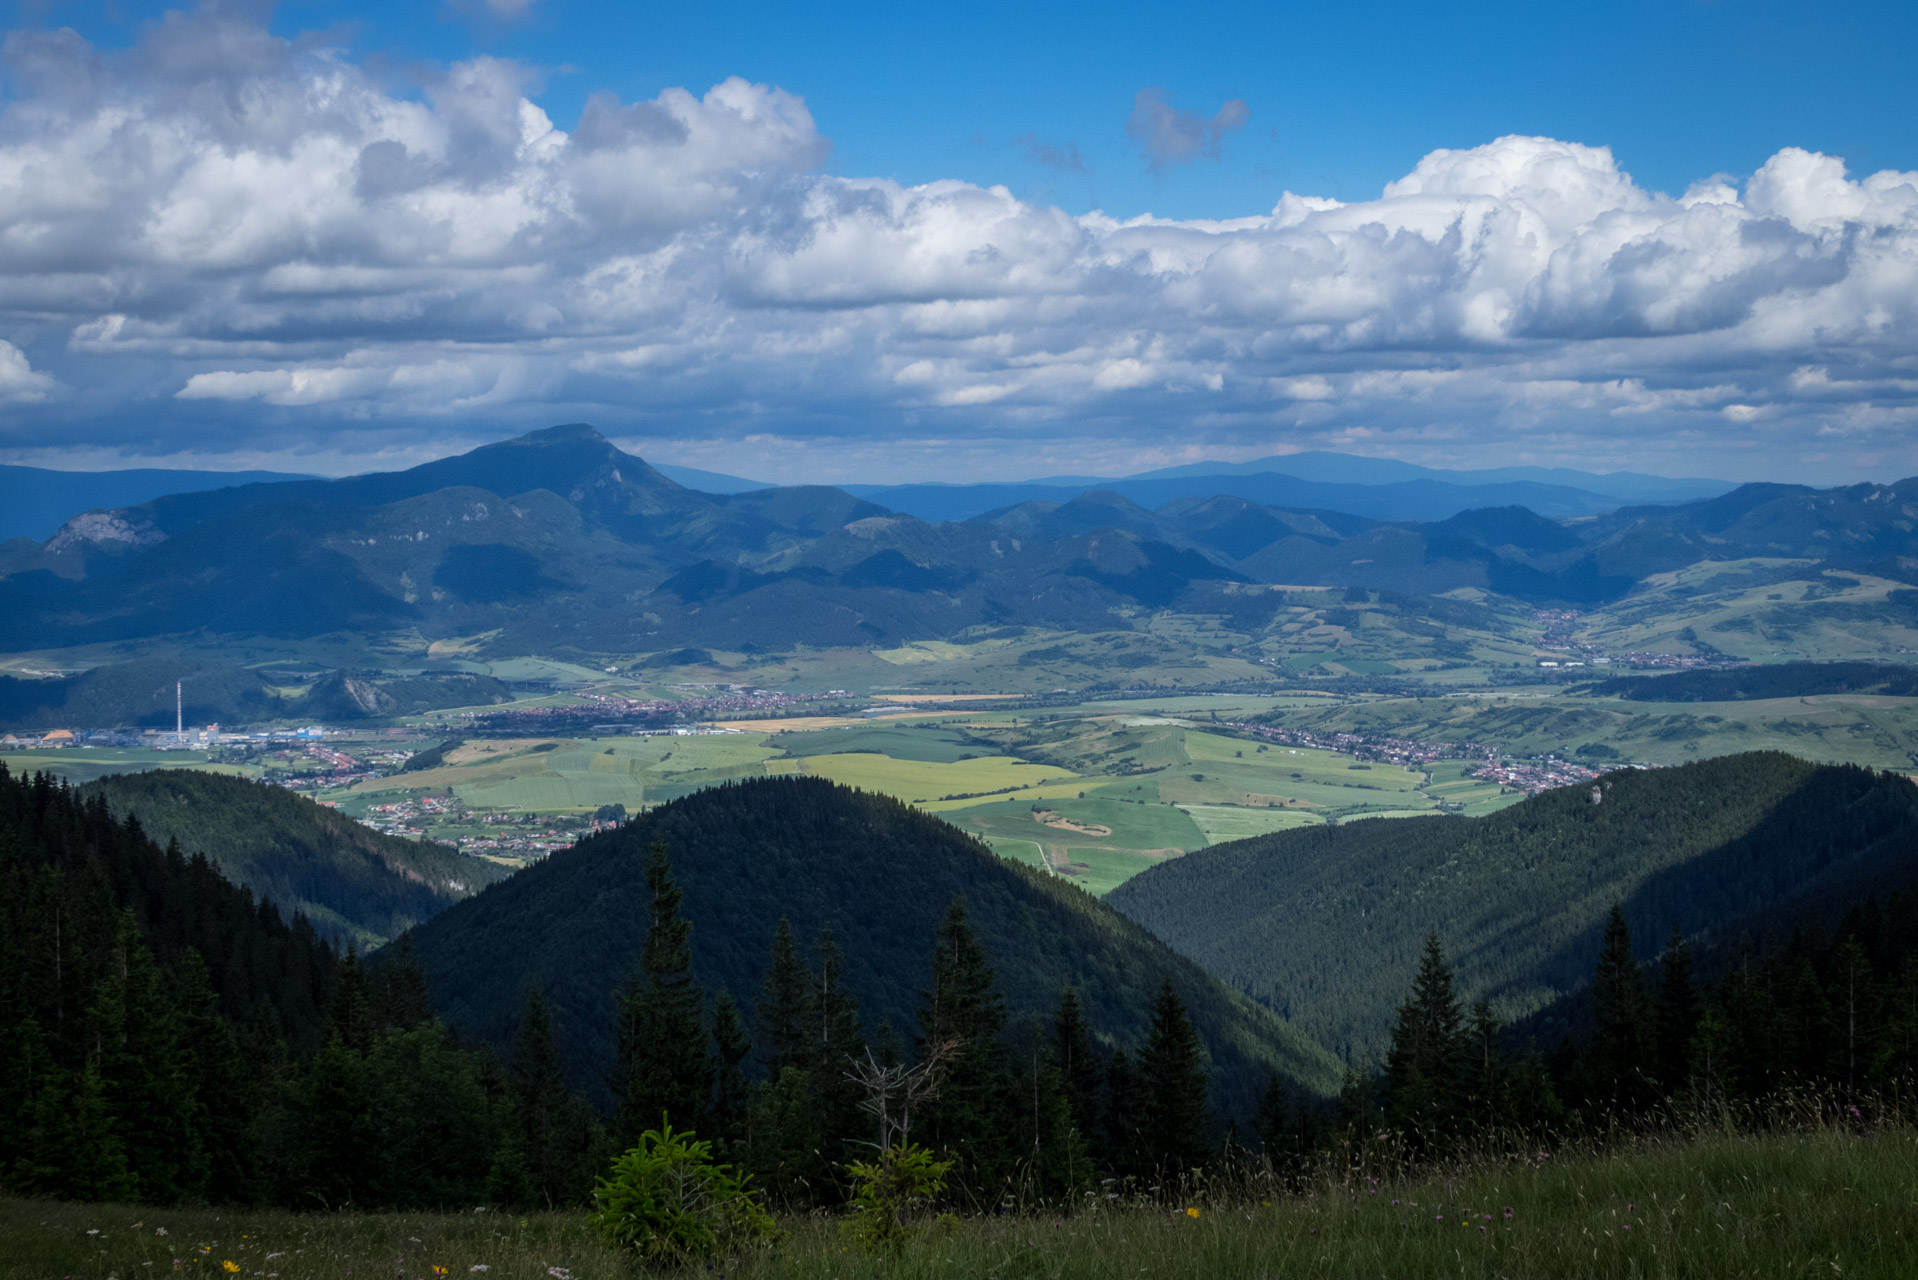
<point>1817,1203</point>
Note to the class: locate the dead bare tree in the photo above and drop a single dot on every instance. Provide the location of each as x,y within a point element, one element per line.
<point>909,1087</point>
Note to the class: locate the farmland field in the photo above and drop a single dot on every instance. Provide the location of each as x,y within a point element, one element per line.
<point>84,764</point>
<point>1095,793</point>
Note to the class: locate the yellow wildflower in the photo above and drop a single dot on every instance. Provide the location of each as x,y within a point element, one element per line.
<point>230,1267</point>
<point>1192,1212</point>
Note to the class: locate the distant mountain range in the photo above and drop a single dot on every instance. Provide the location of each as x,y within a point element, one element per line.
<point>558,540</point>
<point>34,501</point>
<point>1379,488</point>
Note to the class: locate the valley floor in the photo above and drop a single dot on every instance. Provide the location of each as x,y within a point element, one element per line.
<point>1826,1204</point>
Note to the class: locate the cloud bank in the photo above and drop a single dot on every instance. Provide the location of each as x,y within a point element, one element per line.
<point>224,240</point>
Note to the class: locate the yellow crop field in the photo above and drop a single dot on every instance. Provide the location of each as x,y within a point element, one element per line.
<point>917,781</point>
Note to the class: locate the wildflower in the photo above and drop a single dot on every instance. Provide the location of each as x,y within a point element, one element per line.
<point>1628,1226</point>
<point>1192,1212</point>
<point>438,1270</point>
<point>559,1273</point>
<point>1508,1213</point>
<point>159,1231</point>
<point>229,1266</point>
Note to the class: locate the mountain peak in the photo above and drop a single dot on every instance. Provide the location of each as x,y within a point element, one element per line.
<point>565,433</point>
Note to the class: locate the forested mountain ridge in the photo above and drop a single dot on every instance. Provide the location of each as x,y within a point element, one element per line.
<point>878,874</point>
<point>1326,924</point>
<point>353,883</point>
<point>558,539</point>
<point>56,844</point>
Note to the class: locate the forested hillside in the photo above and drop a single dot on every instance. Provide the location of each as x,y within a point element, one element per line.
<point>1325,924</point>
<point>878,874</point>
<point>353,883</point>
<point>1779,680</point>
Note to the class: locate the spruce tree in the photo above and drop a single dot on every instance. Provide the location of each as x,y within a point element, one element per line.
<point>1080,1067</point>
<point>1122,1145</point>
<point>783,998</point>
<point>1175,1121</point>
<point>1678,1013</point>
<point>1620,1062</point>
<point>663,1071</point>
<point>552,1131</point>
<point>1425,1066</point>
<point>964,1008</point>
<point>1486,1077</point>
<point>732,1093</point>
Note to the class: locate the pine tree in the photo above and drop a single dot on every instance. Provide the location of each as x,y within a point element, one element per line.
<point>1677,1016</point>
<point>663,1070</point>
<point>1174,1118</point>
<point>1425,1066</point>
<point>1620,1062</point>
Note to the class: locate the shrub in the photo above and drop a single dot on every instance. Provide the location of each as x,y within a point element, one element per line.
<point>893,1191</point>
<point>672,1203</point>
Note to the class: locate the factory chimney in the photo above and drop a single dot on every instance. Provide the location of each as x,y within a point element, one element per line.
<point>179,718</point>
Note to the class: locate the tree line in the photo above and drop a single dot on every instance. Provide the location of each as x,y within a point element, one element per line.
<point>1831,1017</point>
<point>282,1071</point>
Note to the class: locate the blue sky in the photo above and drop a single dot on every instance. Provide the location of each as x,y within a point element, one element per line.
<point>1343,97</point>
<point>948,341</point>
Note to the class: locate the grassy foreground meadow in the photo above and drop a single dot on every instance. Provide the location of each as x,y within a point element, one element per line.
<point>1824,1204</point>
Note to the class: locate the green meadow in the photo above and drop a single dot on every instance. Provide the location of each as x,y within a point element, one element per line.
<point>1828,1204</point>
<point>1096,793</point>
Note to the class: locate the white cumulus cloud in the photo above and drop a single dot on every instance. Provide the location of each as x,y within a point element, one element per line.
<point>269,239</point>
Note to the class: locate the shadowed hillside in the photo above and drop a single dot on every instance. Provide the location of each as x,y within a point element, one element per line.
<point>352,882</point>
<point>1325,924</point>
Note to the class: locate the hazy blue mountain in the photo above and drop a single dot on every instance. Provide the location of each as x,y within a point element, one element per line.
<point>1379,488</point>
<point>558,540</point>
<point>708,481</point>
<point>35,501</point>
<point>1421,498</point>
<point>1347,468</point>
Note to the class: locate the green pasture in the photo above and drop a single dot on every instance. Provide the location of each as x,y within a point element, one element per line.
<point>1222,822</point>
<point>83,764</point>
<point>931,743</point>
<point>1099,870</point>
